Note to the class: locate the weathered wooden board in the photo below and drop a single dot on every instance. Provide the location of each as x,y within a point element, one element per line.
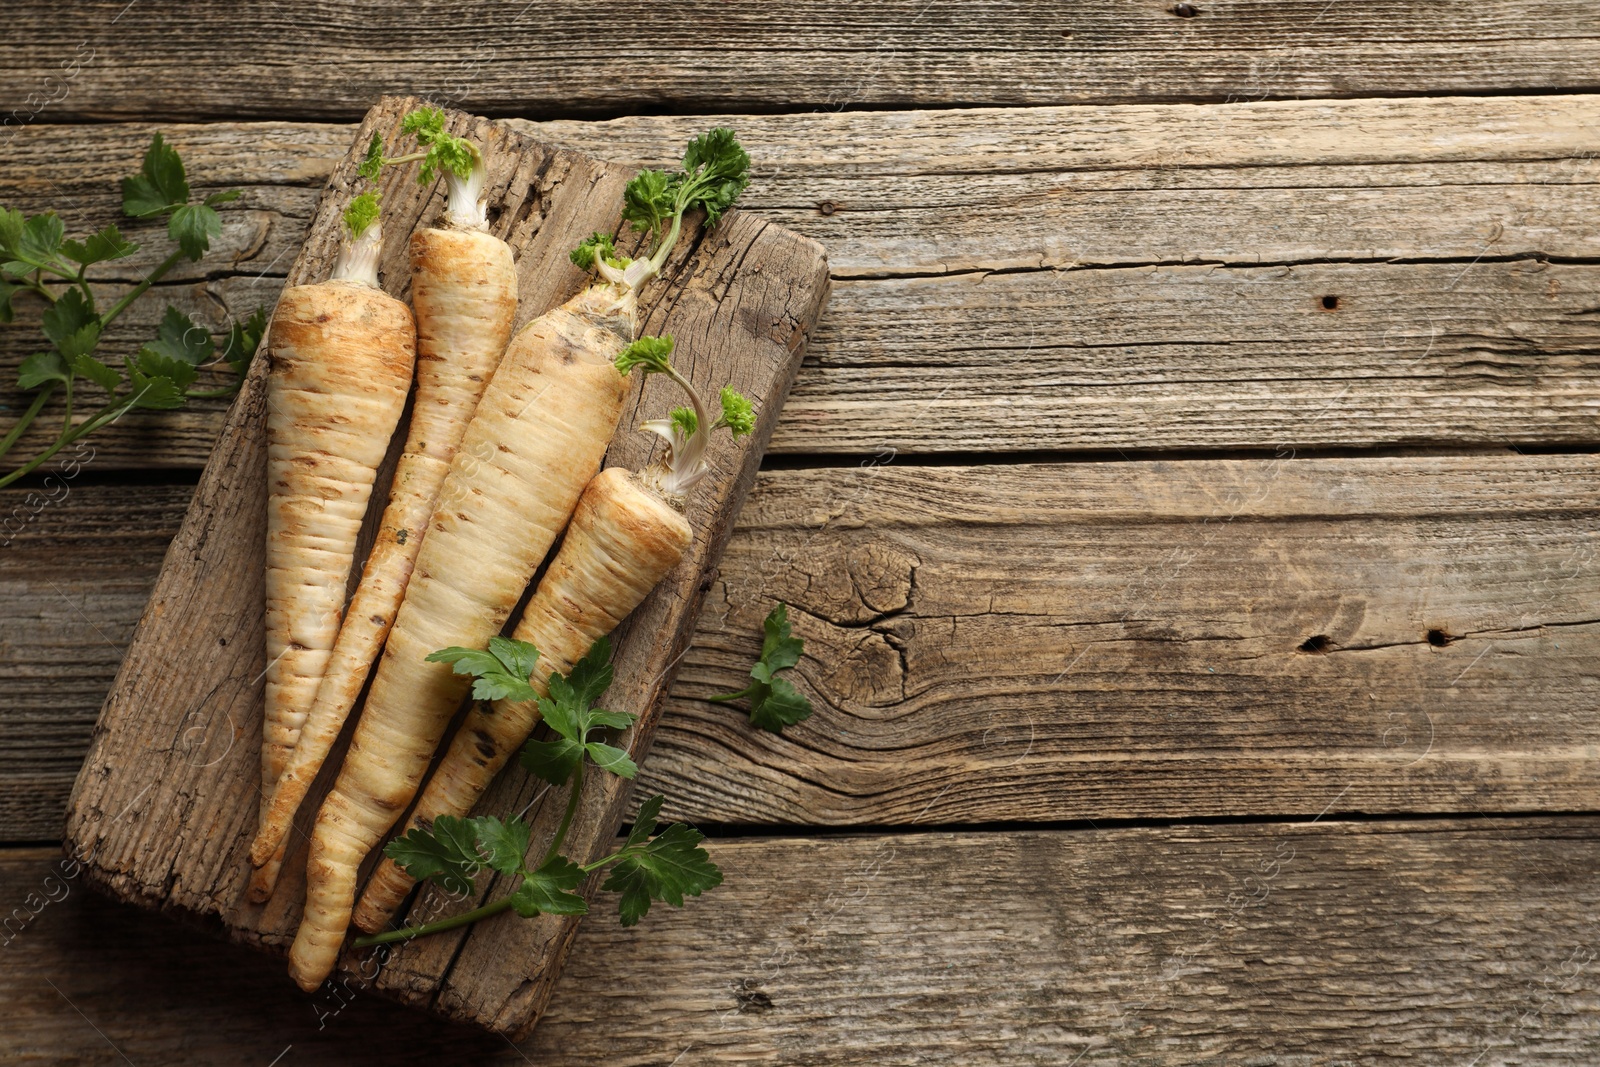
<point>1025,281</point>
<point>168,797</point>
<point>1051,641</point>
<point>1458,941</point>
<point>227,58</point>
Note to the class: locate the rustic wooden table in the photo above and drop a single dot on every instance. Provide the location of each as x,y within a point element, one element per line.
<point>1189,504</point>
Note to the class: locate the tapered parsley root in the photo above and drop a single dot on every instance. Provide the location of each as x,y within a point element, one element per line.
<point>464,287</point>
<point>341,356</point>
<point>537,438</point>
<point>627,533</point>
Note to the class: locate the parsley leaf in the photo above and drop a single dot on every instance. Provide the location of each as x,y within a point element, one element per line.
<point>180,338</point>
<point>651,353</point>
<point>98,247</point>
<point>105,377</point>
<point>444,152</point>
<point>774,701</point>
<point>66,318</point>
<point>372,164</point>
<point>666,868</point>
<point>32,244</point>
<point>160,184</point>
<point>548,890</point>
<point>362,212</point>
<point>569,710</point>
<point>503,843</point>
<point>193,226</point>
<point>446,854</point>
<point>243,340</point>
<point>500,673</point>
<point>42,367</point>
<point>737,414</point>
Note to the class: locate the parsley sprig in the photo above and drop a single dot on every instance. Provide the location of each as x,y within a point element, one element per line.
<point>648,867</point>
<point>715,171</point>
<point>37,259</point>
<point>774,701</point>
<point>439,152</point>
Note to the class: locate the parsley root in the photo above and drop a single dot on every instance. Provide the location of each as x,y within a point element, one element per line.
<point>341,356</point>
<point>628,531</point>
<point>537,438</point>
<point>464,287</point>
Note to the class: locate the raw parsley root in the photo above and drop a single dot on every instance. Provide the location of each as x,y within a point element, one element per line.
<point>37,259</point>
<point>341,355</point>
<point>464,288</point>
<point>666,867</point>
<point>535,440</point>
<point>774,701</point>
<point>627,532</point>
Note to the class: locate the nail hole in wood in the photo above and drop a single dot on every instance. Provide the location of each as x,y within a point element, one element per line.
<point>1316,643</point>
<point>1438,638</point>
<point>1066,34</point>
<point>1185,11</point>
<point>1330,303</point>
<point>827,207</point>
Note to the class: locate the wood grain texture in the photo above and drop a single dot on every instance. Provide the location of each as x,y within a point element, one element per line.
<point>1289,943</point>
<point>1130,277</point>
<point>317,59</point>
<point>1049,641</point>
<point>173,740</point>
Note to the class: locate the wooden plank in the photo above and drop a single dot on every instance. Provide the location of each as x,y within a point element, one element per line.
<point>174,739</point>
<point>1093,334</point>
<point>1280,943</point>
<point>1150,617</point>
<point>217,59</point>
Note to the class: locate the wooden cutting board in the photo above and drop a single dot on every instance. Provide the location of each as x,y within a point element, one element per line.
<point>166,805</point>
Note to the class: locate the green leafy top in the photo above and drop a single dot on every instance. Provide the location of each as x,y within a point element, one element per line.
<point>362,212</point>
<point>597,246</point>
<point>715,171</point>
<point>652,353</point>
<point>570,712</point>
<point>687,431</point>
<point>501,673</point>
<point>737,414</point>
<point>774,701</point>
<point>457,158</point>
<point>452,155</point>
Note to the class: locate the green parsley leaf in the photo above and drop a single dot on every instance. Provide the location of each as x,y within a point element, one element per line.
<point>667,869</point>
<point>160,184</point>
<point>7,291</point>
<point>596,244</point>
<point>362,212</point>
<point>500,673</point>
<point>99,247</point>
<point>35,245</point>
<point>547,891</point>
<point>444,152</point>
<point>502,842</point>
<point>774,701</point>
<point>446,854</point>
<point>157,393</point>
<point>645,824</point>
<point>372,165</point>
<point>684,421</point>
<point>11,225</point>
<point>737,414</point>
<point>180,338</point>
<point>647,201</point>
<point>613,759</point>
<point>716,171</point>
<point>193,226</point>
<point>553,761</point>
<point>243,340</point>
<point>228,197</point>
<point>651,353</point>
<point>160,366</point>
<point>42,367</point>
<point>105,377</point>
<point>69,314</point>
<point>570,713</point>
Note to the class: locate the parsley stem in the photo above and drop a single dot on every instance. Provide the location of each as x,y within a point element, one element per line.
<point>110,413</point>
<point>138,290</point>
<point>740,695</point>
<point>466,918</point>
<point>566,820</point>
<point>27,418</point>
